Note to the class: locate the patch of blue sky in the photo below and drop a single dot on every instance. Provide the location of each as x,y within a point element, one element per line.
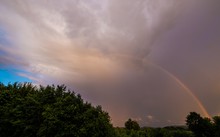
<point>12,75</point>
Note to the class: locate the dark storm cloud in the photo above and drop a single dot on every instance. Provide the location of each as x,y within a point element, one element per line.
<point>101,48</point>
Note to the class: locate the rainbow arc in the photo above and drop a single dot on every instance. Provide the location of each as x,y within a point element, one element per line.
<point>186,89</point>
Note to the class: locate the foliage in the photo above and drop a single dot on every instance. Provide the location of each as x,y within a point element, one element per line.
<point>174,131</point>
<point>203,127</point>
<point>131,124</point>
<point>153,132</point>
<point>193,121</point>
<point>49,111</point>
<point>216,120</point>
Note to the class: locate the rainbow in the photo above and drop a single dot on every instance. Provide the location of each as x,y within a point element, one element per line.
<point>178,81</point>
<point>189,92</point>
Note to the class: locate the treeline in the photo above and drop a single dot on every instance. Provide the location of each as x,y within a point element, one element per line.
<point>54,111</point>
<point>154,132</point>
<point>132,129</point>
<point>196,126</point>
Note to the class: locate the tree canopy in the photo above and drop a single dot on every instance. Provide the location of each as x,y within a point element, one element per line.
<point>203,127</point>
<point>49,111</point>
<point>131,124</point>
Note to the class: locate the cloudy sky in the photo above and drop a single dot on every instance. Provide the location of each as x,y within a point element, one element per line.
<point>150,60</point>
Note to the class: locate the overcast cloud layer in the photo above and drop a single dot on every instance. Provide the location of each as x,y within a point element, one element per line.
<point>104,49</point>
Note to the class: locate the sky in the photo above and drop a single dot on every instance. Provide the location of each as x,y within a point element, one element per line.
<point>150,60</point>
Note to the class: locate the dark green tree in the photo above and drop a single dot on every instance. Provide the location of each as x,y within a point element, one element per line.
<point>131,124</point>
<point>50,111</point>
<point>193,121</point>
<point>201,127</point>
<point>216,120</point>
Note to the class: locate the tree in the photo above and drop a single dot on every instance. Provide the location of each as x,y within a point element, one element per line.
<point>216,120</point>
<point>131,124</point>
<point>193,121</point>
<point>49,111</point>
<point>201,127</point>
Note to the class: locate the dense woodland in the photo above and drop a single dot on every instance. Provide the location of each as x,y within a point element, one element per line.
<point>54,111</point>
